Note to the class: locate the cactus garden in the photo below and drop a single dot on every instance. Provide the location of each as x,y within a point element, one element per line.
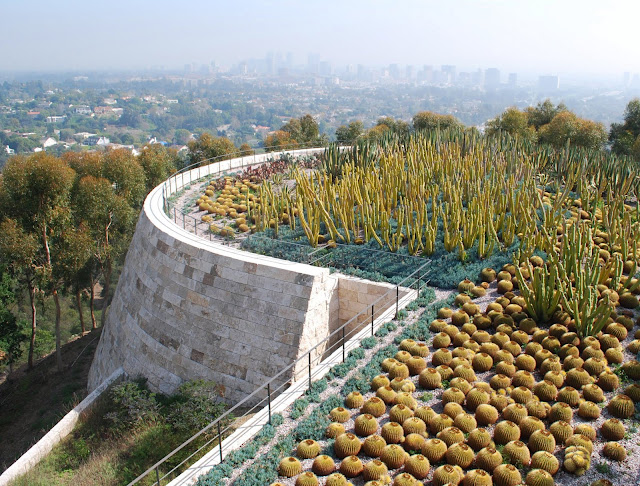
<point>518,366</point>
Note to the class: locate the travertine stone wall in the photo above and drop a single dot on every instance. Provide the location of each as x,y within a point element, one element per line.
<point>186,308</point>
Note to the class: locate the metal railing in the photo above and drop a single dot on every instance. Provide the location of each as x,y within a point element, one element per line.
<point>301,368</point>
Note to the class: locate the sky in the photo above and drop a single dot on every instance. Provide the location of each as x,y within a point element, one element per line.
<point>542,36</point>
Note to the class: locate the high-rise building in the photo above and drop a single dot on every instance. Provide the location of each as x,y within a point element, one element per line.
<point>450,73</point>
<point>491,78</point>
<point>513,80</point>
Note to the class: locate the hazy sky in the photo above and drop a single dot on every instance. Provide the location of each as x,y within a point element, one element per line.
<point>544,36</point>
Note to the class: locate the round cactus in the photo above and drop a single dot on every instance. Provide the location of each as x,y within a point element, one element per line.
<point>402,356</point>
<point>374,406</point>
<point>445,371</point>
<point>465,371</point>
<point>430,379</point>
<point>434,449</point>
<point>392,432</point>
<point>405,398</point>
<point>505,431</point>
<point>506,475</point>
<point>593,393</point>
<point>307,479</point>
<point>365,425</point>
<point>602,482</point>
<point>561,430</point>
<point>588,410</point>
<point>476,397</point>
<point>523,378</point>
<point>346,445</point>
<point>351,466</point>
<point>477,477</point>
<point>308,449</point>
<point>339,414</point>
<point>465,422</point>
<point>393,456</point>
<point>546,461</point>
<point>380,380</point>
<point>542,440</point>
<point>621,406</point>
<point>405,479</point>
<point>451,435</point>
<point>420,349</point>
<point>561,411</point>
<point>354,400</point>
<point>576,460</point>
<point>521,394</point>
<point>386,394</point>
<point>289,467</point>
<point>440,422</point>
<point>482,362</point>
<point>578,377</point>
<point>539,477</point>
<point>529,425</point>
<point>334,430</point>
<point>398,370</point>
<point>323,465</point>
<point>453,395</point>
<point>500,402</point>
<point>479,438</point>
<point>633,392</point>
<point>414,425</point>
<point>413,442</point>
<point>406,344</point>
<point>628,300</point>
<point>488,459</point>
<point>545,390</point>
<point>614,451</point>
<point>515,412</point>
<point>612,429</point>
<point>486,414</point>
<point>460,455</point>
<point>517,452</point>
<point>373,445</point>
<point>337,479</point>
<point>586,430</point>
<point>608,381</point>
<point>399,413</point>
<point>418,466</point>
<point>424,413</point>
<point>375,469</point>
<point>579,440</point>
<point>537,408</point>
<point>446,474</point>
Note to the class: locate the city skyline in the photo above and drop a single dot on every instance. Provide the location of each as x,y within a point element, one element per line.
<point>545,37</point>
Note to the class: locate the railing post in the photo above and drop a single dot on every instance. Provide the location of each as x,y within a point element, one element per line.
<point>220,440</point>
<point>174,216</point>
<point>269,399</point>
<point>372,318</point>
<point>397,299</point>
<point>343,343</point>
<point>157,476</point>
<point>309,354</point>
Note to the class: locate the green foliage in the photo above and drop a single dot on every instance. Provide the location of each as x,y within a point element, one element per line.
<point>428,120</point>
<point>368,342</point>
<point>194,406</point>
<point>133,406</point>
<point>12,334</point>
<point>298,407</point>
<point>208,147</point>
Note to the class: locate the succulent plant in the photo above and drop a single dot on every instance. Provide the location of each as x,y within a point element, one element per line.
<point>307,479</point>
<point>602,482</point>
<point>289,467</point>
<point>578,377</point>
<point>365,425</point>
<point>486,414</point>
<point>465,371</point>
<point>500,402</point>
<point>539,477</point>
<point>405,398</point>
<point>632,369</point>
<point>334,430</point>
<point>542,440</point>
<point>418,466</point>
<point>405,479</point>
<point>465,422</point>
<point>308,449</point>
<point>525,362</point>
<point>430,379</point>
<point>476,397</point>
<point>399,413</point>
<point>515,412</point>
<point>440,422</point>
<point>579,440</point>
<point>529,425</point>
<point>374,406</point>
<point>477,477</point>
<point>561,430</point>
<point>577,460</point>
<point>545,390</point>
<point>517,452</point>
<point>399,370</point>
<point>633,392</point>
<point>420,349</point>
<point>588,410</point>
<point>374,470</point>
<point>373,445</point>
<point>615,451</point>
<point>413,442</point>
<point>506,431</point>
<point>339,414</point>
<point>608,381</point>
<point>351,466</point>
<point>628,301</point>
<point>453,394</point>
<point>347,445</point>
<point>585,429</point>
<point>488,459</point>
<point>354,400</point>
<point>424,413</point>
<point>434,449</point>
<point>612,429</point>
<point>568,395</point>
<point>414,425</point>
<point>506,475</point>
<point>521,394</point>
<point>546,461</point>
<point>394,456</point>
<point>621,406</point>
<point>380,380</point>
<point>451,435</point>
<point>441,356</point>
<point>323,465</point>
<point>460,454</point>
<point>446,474</point>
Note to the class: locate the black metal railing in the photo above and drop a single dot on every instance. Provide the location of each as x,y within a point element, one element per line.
<point>301,368</point>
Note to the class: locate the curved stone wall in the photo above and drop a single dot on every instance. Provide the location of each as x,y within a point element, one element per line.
<point>186,308</point>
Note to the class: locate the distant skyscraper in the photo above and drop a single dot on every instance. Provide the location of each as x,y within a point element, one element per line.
<point>513,80</point>
<point>313,61</point>
<point>450,73</point>
<point>491,78</point>
<point>408,73</point>
<point>548,83</point>
<point>626,79</point>
<point>426,74</point>
<point>324,68</point>
<point>394,71</point>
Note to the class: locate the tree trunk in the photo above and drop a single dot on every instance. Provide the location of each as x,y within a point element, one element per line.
<point>107,285</point>
<point>32,343</point>
<point>56,299</point>
<point>79,304</point>
<point>92,296</point>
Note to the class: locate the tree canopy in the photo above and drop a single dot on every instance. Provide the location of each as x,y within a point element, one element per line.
<point>428,120</point>
<point>625,137</point>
